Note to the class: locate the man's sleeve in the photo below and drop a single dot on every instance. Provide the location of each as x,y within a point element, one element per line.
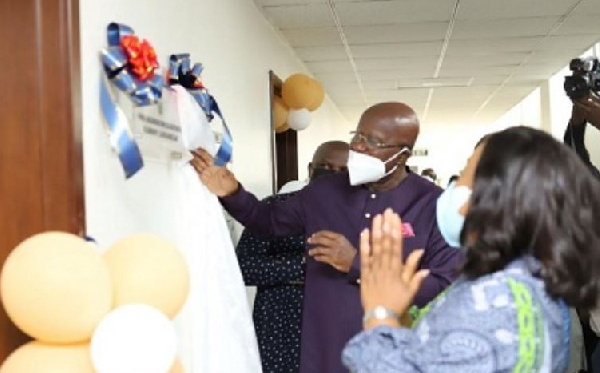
<point>279,218</point>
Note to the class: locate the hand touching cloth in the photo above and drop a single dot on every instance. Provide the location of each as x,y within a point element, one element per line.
<point>386,280</point>
<point>219,180</point>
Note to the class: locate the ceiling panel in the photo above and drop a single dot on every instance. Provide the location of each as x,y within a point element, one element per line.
<point>432,31</point>
<point>448,117</point>
<point>588,7</point>
<point>369,85</point>
<point>497,52</point>
<point>413,73</point>
<point>410,83</point>
<point>552,59</point>
<point>312,37</point>
<point>300,16</point>
<point>332,52</point>
<point>503,28</point>
<point>493,80</point>
<point>475,69</point>
<point>330,79</point>
<point>329,66</point>
<point>498,59</point>
<point>581,25</point>
<point>508,93</point>
<point>387,84</point>
<point>394,12</point>
<point>457,95</point>
<point>486,10</point>
<point>538,69</point>
<point>418,96</point>
<point>526,81</point>
<point>405,63</point>
<point>390,50</point>
<point>580,42</point>
<point>482,46</point>
<point>347,98</point>
<point>560,56</point>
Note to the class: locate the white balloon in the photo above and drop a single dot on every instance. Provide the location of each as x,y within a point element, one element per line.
<point>299,119</point>
<point>134,339</point>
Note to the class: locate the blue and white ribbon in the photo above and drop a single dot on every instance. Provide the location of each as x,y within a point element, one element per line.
<point>141,93</point>
<point>183,73</point>
<point>120,136</point>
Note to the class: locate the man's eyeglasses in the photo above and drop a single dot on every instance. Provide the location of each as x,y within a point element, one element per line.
<point>371,142</point>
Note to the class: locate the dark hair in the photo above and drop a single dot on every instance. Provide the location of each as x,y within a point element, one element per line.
<point>533,196</point>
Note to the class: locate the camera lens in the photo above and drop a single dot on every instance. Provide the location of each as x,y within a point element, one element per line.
<point>576,87</point>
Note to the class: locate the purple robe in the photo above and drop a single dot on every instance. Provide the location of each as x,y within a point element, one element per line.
<point>332,312</point>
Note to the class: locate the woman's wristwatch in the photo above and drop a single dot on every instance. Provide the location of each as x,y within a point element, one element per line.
<point>380,313</point>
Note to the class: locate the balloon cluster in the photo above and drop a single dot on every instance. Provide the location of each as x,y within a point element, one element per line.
<point>300,95</point>
<point>89,312</point>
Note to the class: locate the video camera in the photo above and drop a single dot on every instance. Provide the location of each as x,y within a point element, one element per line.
<point>585,77</point>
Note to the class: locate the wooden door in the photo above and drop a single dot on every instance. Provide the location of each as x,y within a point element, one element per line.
<point>41,166</point>
<point>284,146</point>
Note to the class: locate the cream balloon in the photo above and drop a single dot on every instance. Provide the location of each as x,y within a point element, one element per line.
<point>318,98</point>
<point>56,287</point>
<point>177,367</point>
<point>298,91</point>
<point>299,119</point>
<point>280,113</point>
<point>36,357</point>
<point>283,128</point>
<point>135,338</point>
<point>147,269</point>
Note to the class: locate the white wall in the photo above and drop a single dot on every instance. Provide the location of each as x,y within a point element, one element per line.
<point>449,147</point>
<point>238,48</point>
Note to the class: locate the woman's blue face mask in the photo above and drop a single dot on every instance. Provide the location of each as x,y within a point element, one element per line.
<point>450,220</point>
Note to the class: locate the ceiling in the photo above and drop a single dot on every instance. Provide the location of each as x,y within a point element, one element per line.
<point>453,61</point>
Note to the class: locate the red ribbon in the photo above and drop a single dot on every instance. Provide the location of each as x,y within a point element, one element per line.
<point>140,56</point>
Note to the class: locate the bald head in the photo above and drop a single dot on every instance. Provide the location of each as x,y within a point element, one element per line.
<point>326,149</point>
<point>392,121</point>
<point>331,156</point>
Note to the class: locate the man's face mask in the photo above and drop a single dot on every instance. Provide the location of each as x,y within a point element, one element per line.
<point>449,219</point>
<point>321,171</point>
<point>365,169</point>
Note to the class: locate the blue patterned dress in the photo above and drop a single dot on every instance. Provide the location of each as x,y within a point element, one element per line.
<point>502,322</point>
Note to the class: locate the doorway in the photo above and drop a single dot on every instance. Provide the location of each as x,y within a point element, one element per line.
<point>41,164</point>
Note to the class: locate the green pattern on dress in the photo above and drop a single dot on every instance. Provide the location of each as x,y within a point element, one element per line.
<point>531,329</point>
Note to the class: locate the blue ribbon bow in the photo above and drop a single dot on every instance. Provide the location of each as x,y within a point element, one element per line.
<point>114,60</point>
<point>181,72</point>
<point>141,93</point>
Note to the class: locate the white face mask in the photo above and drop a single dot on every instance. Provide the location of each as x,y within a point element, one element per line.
<point>364,168</point>
<point>450,220</point>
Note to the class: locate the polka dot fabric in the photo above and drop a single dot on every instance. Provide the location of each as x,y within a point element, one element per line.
<point>276,267</point>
